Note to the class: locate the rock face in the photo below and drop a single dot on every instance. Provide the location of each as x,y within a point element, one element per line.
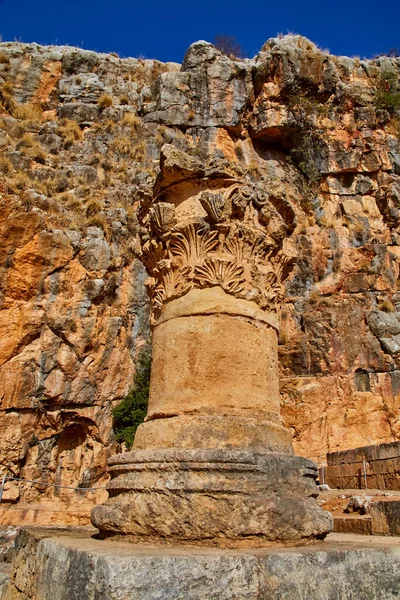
<point>385,517</point>
<point>80,141</point>
<point>73,305</point>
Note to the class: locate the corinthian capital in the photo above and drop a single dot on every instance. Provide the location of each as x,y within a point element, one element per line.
<point>215,228</point>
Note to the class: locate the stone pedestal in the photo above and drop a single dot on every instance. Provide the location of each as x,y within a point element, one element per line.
<point>68,568</point>
<point>228,498</point>
<point>213,463</point>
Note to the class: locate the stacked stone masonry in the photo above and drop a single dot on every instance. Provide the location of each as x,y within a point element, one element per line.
<point>373,467</point>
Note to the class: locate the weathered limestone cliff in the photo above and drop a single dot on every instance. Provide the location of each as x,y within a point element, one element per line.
<point>81,135</point>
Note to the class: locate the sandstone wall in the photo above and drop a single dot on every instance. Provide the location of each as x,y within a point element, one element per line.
<point>80,140</point>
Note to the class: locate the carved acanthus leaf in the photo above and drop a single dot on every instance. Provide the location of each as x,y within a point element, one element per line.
<point>191,244</point>
<point>284,261</point>
<point>247,244</point>
<point>176,282</point>
<point>239,244</point>
<point>153,253</point>
<point>158,297</point>
<point>172,283</point>
<point>235,246</point>
<point>228,274</point>
<point>274,292</point>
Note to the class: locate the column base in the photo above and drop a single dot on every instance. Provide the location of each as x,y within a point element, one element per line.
<point>214,431</point>
<point>222,497</point>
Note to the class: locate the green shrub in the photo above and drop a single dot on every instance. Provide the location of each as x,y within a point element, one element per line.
<point>305,154</point>
<point>387,95</point>
<point>130,413</point>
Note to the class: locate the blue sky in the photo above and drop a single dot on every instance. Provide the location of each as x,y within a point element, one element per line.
<point>164,29</point>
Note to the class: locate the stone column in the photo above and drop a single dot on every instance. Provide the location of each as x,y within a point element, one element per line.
<point>213,463</point>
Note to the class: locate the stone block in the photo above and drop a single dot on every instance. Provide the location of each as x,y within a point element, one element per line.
<point>126,572</point>
<point>382,464</point>
<point>385,516</point>
<point>344,476</point>
<point>358,525</point>
<point>81,568</point>
<point>392,482</point>
<point>332,574</point>
<point>4,581</point>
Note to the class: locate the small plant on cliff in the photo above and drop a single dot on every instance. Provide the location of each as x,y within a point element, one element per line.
<point>5,165</point>
<point>395,123</point>
<point>130,413</point>
<point>121,145</point>
<point>30,111</point>
<point>7,101</point>
<point>386,306</point>
<point>387,95</point>
<point>131,120</point>
<point>228,44</point>
<point>305,154</point>
<point>105,101</point>
<point>69,131</point>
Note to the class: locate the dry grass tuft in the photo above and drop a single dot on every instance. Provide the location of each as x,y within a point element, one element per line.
<point>96,159</point>
<point>69,131</point>
<point>160,136</point>
<point>20,181</point>
<point>395,127</point>
<point>314,296</point>
<point>138,151</point>
<point>121,145</point>
<point>7,101</point>
<point>71,202</point>
<point>93,208</point>
<point>105,101</point>
<point>29,146</point>
<point>386,306</point>
<point>131,120</point>
<point>31,111</point>
<point>27,141</point>
<point>5,166</point>
<point>100,221</point>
